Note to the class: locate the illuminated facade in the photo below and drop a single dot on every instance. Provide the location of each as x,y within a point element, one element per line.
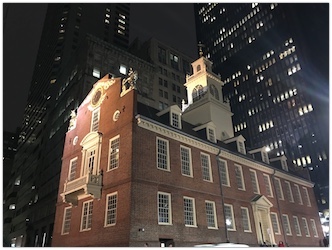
<point>132,174</point>
<point>270,81</point>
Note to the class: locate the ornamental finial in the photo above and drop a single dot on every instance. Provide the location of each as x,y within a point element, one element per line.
<point>200,46</point>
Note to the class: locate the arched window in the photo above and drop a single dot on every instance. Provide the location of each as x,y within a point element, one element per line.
<point>197,92</point>
<point>214,91</point>
<point>198,67</point>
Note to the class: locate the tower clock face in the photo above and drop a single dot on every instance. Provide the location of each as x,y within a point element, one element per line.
<point>95,101</point>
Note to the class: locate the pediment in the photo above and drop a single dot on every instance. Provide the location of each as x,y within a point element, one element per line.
<point>261,200</point>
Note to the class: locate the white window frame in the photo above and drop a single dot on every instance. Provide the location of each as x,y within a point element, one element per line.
<point>169,208</point>
<point>265,157</point>
<point>185,161</point>
<point>232,226</point>
<point>162,154</point>
<point>279,192</point>
<point>286,224</point>
<point>206,169</point>
<point>297,226</point>
<point>298,194</point>
<point>85,226</point>
<point>95,120</point>
<point>239,178</point>
<point>66,220</point>
<point>245,212</point>
<point>306,196</point>
<point>114,153</point>
<point>72,169</point>
<point>191,210</point>
<point>284,165</point>
<point>305,227</point>
<point>175,119</point>
<point>211,215</point>
<point>275,221</point>
<point>289,192</point>
<point>241,147</point>
<point>268,187</point>
<point>224,176</point>
<point>111,209</point>
<point>211,134</point>
<point>254,181</point>
<point>313,227</point>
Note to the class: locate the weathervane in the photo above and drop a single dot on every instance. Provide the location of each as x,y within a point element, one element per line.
<point>200,46</point>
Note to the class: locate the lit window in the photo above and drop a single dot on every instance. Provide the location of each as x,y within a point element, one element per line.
<point>12,207</point>
<point>123,69</point>
<point>96,72</point>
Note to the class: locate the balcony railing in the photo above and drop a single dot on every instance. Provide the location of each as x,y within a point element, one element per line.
<point>86,185</point>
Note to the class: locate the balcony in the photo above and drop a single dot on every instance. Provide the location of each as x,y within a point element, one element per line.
<point>86,185</point>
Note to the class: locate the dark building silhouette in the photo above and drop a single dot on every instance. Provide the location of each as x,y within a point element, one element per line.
<point>276,76</point>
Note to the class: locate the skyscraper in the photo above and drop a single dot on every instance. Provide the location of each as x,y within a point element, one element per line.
<point>65,27</point>
<point>266,55</point>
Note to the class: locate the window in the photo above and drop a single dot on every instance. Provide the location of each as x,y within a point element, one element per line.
<point>111,205</point>
<point>305,227</point>
<point>211,215</point>
<point>245,219</point>
<point>306,197</point>
<point>206,167</point>
<point>114,153</point>
<point>224,177</point>
<point>95,120</point>
<point>214,91</point>
<point>186,166</point>
<point>298,196</point>
<point>12,207</point>
<point>275,223</point>
<point>189,211</point>
<point>314,228</point>
<point>267,183</point>
<point>162,55</point>
<point>229,216</point>
<point>239,177</point>
<point>297,226</point>
<point>72,169</point>
<point>279,192</point>
<point>162,154</point>
<point>164,209</point>
<point>265,157</point>
<point>211,135</point>
<point>86,215</point>
<point>66,220</point>
<point>174,61</point>
<point>197,92</point>
<point>175,120</point>
<point>285,222</point>
<point>96,72</point>
<point>289,192</point>
<point>240,147</point>
<point>123,69</point>
<point>254,182</point>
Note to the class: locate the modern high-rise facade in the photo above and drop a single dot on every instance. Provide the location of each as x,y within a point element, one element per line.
<point>34,181</point>
<point>265,54</point>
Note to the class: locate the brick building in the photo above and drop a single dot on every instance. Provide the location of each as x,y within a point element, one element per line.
<point>132,174</point>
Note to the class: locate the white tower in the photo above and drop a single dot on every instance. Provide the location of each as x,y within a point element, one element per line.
<point>206,107</point>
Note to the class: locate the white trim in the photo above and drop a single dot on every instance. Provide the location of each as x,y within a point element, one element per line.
<point>278,182</point>
<point>170,208</point>
<point>184,138</point>
<point>64,220</point>
<point>82,214</point>
<point>214,214</point>
<point>194,211</point>
<point>167,156</point>
<point>275,215</point>
<point>248,218</point>
<point>109,153</point>
<point>232,215</point>
<point>190,161</point>
<point>285,216</point>
<point>106,209</point>
<point>296,222</point>
<point>209,166</point>
<point>256,181</point>
<point>226,172</point>
<point>241,176</point>
<point>289,191</point>
<point>269,184</point>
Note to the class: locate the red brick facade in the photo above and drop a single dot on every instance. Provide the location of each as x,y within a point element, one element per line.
<point>137,181</point>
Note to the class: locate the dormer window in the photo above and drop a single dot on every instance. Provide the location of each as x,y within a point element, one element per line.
<point>175,120</point>
<point>240,147</point>
<point>284,164</point>
<point>265,157</point>
<point>211,134</point>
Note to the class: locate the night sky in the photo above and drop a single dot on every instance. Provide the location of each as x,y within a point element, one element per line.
<point>170,23</point>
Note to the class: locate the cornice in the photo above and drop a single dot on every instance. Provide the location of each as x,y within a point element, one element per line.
<point>182,137</point>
